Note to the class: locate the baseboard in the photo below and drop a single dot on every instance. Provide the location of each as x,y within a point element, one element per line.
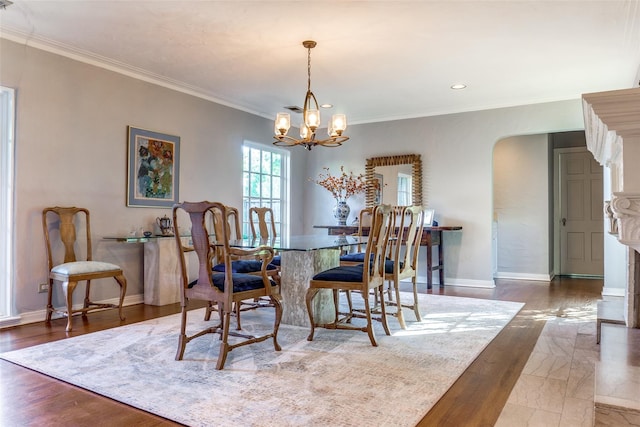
<point>452,281</point>
<point>524,276</point>
<point>613,292</point>
<point>470,283</point>
<point>39,315</point>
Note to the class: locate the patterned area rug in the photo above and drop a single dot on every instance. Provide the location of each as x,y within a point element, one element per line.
<point>337,379</point>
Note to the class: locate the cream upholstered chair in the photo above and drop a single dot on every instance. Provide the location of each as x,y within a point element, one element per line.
<point>403,258</point>
<point>363,278</point>
<point>66,221</point>
<point>220,289</point>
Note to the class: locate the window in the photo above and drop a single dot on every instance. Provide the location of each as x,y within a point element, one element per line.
<point>7,119</point>
<point>404,190</point>
<point>265,173</point>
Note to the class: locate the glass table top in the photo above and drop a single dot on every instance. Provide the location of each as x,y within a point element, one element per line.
<point>293,243</point>
<point>301,242</point>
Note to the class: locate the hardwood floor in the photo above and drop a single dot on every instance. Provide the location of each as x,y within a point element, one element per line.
<point>476,399</point>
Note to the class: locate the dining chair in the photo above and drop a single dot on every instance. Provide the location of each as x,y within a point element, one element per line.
<point>67,223</point>
<point>357,256</point>
<point>263,225</point>
<point>221,290</point>
<point>403,258</point>
<point>364,277</point>
<point>230,222</point>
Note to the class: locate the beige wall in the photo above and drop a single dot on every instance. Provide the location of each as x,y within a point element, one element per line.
<point>71,149</point>
<point>457,158</point>
<point>521,206</point>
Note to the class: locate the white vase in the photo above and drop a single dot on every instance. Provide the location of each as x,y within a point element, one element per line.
<point>341,212</point>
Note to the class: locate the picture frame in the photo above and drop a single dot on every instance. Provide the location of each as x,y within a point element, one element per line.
<point>378,180</point>
<point>153,172</point>
<point>429,215</point>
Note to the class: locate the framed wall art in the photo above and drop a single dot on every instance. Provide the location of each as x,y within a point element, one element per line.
<point>153,173</point>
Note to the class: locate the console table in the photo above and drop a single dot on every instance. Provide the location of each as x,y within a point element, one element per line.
<point>431,236</point>
<point>161,270</point>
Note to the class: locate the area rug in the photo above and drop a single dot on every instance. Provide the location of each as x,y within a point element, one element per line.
<point>337,379</point>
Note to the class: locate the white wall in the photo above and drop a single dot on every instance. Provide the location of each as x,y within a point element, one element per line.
<point>521,207</point>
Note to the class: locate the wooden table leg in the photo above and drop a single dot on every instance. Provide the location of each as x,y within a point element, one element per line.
<point>441,262</point>
<point>429,266</point>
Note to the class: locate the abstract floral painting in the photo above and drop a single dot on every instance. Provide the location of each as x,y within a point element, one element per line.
<point>153,172</point>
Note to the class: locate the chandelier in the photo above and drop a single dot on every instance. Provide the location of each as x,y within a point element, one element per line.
<point>311,119</point>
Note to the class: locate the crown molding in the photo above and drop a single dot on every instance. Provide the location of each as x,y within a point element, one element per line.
<point>117,67</point>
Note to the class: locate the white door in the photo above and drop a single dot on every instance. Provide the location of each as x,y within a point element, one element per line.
<point>581,217</point>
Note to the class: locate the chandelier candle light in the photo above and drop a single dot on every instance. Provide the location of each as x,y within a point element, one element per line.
<point>341,188</point>
<point>311,119</point>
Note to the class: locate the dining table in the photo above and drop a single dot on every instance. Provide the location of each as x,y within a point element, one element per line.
<point>302,257</point>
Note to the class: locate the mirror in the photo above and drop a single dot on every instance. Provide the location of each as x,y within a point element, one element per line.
<point>381,174</point>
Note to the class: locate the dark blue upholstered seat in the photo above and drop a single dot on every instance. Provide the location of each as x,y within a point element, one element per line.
<point>275,261</point>
<point>241,282</point>
<point>354,257</point>
<point>243,266</point>
<point>359,257</point>
<point>348,273</point>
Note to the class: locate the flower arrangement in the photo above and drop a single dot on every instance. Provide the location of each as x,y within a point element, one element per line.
<point>342,186</point>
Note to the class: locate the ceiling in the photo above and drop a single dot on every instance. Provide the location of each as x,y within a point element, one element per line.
<point>375,60</point>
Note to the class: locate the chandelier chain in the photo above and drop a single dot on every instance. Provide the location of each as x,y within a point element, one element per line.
<point>308,68</point>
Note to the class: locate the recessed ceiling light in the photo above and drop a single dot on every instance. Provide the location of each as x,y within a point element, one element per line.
<point>327,105</point>
<point>458,86</point>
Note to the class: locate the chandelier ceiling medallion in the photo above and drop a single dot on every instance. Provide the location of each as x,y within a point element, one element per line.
<point>311,119</point>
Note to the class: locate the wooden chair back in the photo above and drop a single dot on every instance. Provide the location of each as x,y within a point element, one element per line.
<point>68,221</point>
<point>200,240</point>
<point>404,254</point>
<point>409,234</point>
<point>264,220</point>
<point>365,218</point>
<point>376,249</point>
<point>230,226</point>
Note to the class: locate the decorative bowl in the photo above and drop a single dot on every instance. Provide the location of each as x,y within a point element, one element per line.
<point>147,234</point>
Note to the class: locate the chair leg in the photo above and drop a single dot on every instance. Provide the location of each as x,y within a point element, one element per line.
<point>237,306</point>
<point>123,290</point>
<point>87,300</point>
<point>416,308</point>
<point>399,313</point>
<point>207,313</point>
<point>224,345</point>
<point>336,304</point>
<point>367,311</point>
<point>383,310</point>
<point>275,300</point>
<point>182,340</point>
<point>68,288</point>
<point>49,302</point>
<point>311,292</point>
